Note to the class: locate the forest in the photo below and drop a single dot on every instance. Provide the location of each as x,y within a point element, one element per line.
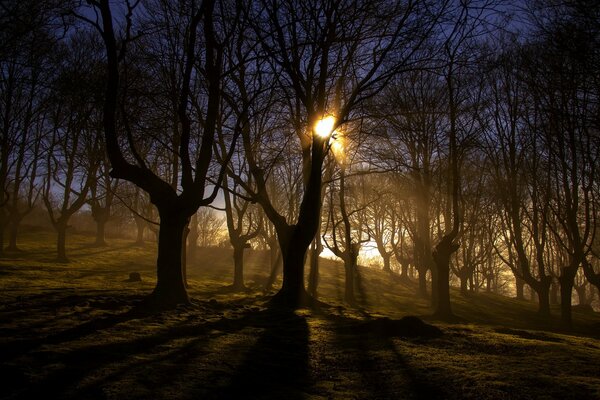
<point>316,199</point>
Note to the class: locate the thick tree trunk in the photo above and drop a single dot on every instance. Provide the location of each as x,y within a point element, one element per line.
<point>350,270</point>
<point>441,278</point>
<point>553,293</point>
<point>404,270</point>
<point>293,249</point>
<point>101,232</point>
<point>519,284</point>
<point>238,266</point>
<point>422,291</point>
<point>13,233</point>
<point>566,290</point>
<point>293,292</point>
<point>386,263</point>
<point>61,240</point>
<point>464,287</point>
<point>543,292</point>
<point>170,283</point>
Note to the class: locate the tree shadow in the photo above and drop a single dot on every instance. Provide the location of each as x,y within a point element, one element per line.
<point>13,349</point>
<point>369,351</point>
<point>75,367</point>
<point>277,365</point>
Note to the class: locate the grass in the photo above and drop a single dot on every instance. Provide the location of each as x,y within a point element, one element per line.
<point>74,331</point>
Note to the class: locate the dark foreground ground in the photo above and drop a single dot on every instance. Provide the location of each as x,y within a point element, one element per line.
<point>75,331</point>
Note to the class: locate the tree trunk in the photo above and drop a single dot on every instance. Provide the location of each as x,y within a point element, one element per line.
<point>464,289</point>
<point>553,293</point>
<point>422,291</point>
<point>61,239</point>
<point>350,270</point>
<point>140,224</point>
<point>184,255</point>
<point>386,262</point>
<point>441,278</point>
<point>313,275</point>
<point>100,231</point>
<point>404,270</point>
<point>293,292</point>
<point>519,284</point>
<point>170,283</point>
<point>13,232</point>
<point>238,266</point>
<point>543,292</point>
<point>2,229</point>
<point>566,290</point>
<point>581,295</point>
<point>275,257</point>
<point>192,239</point>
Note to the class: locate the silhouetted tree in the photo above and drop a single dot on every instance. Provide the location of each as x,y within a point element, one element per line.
<point>326,64</point>
<point>194,36</point>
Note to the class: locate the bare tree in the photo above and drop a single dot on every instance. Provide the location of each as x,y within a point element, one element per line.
<point>326,64</point>
<point>197,50</point>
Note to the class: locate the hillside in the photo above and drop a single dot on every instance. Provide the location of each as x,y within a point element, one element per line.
<point>73,331</point>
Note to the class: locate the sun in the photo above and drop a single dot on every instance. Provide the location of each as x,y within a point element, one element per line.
<point>324,126</point>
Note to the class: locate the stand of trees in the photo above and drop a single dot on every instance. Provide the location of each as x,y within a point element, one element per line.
<point>459,144</point>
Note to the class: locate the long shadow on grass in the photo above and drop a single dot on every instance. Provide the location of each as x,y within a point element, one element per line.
<point>367,349</point>
<point>279,354</point>
<point>277,365</point>
<point>274,366</point>
<point>17,348</point>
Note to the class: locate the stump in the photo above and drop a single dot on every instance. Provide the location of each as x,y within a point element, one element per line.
<point>134,277</point>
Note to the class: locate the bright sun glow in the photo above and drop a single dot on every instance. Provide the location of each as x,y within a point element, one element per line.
<point>337,147</point>
<point>324,126</point>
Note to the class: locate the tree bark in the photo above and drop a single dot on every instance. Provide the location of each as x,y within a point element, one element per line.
<point>101,231</point>
<point>293,292</point>
<point>422,291</point>
<point>13,232</point>
<point>404,270</point>
<point>170,282</point>
<point>350,273</point>
<point>566,280</point>
<point>386,262</point>
<point>275,258</point>
<point>581,295</point>
<point>441,278</point>
<point>192,238</point>
<point>464,289</point>
<point>543,292</point>
<point>140,225</point>
<point>313,275</point>
<point>554,293</point>
<point>238,266</point>
<point>61,239</point>
<point>519,284</point>
<point>2,230</point>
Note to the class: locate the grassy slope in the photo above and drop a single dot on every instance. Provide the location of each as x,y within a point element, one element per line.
<point>72,331</point>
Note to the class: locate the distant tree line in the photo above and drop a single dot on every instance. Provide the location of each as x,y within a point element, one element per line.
<point>459,138</point>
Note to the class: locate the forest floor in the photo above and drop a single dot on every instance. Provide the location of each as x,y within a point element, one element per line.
<point>75,331</point>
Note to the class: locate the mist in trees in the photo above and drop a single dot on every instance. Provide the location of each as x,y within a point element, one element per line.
<point>454,143</point>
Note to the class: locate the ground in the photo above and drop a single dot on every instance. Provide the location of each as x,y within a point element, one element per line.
<point>76,331</point>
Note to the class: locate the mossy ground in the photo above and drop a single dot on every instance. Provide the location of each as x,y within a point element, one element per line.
<point>74,331</point>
